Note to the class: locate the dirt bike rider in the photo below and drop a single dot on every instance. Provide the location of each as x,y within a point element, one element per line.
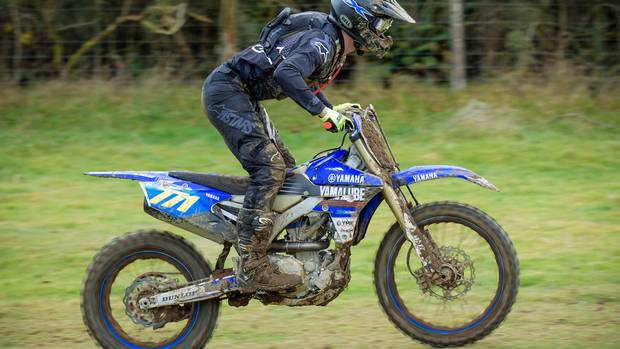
<point>293,48</point>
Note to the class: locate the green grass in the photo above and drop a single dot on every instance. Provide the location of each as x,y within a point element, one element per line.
<point>552,150</point>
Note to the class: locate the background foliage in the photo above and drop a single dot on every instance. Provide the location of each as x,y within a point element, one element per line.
<point>40,39</point>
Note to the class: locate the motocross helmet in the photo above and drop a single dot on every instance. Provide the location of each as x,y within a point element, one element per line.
<point>367,22</point>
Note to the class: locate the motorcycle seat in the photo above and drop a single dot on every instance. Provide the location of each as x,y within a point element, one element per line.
<point>234,185</point>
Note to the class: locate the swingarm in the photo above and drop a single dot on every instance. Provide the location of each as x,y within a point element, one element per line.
<point>191,293</point>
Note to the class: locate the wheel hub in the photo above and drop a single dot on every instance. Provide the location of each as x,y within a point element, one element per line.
<point>147,285</point>
<point>450,275</point>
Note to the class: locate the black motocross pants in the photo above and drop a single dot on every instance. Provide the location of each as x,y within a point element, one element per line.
<point>249,134</point>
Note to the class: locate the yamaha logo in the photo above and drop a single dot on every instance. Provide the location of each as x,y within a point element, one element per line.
<point>346,21</point>
<point>425,177</point>
<point>331,178</point>
<point>345,178</point>
<point>213,197</point>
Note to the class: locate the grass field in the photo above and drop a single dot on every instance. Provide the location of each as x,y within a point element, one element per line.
<point>554,152</point>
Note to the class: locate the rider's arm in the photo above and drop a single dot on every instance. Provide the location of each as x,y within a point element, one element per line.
<point>302,62</point>
<point>324,99</point>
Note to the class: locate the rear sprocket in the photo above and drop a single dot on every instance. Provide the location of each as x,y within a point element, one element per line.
<point>147,285</point>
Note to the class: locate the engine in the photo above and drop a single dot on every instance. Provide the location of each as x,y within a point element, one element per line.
<point>312,228</point>
<point>324,273</point>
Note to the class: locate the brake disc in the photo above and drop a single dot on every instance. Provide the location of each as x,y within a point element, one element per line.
<point>453,279</point>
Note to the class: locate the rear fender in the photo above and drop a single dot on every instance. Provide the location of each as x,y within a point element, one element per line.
<point>181,203</point>
<point>427,173</point>
<point>174,197</point>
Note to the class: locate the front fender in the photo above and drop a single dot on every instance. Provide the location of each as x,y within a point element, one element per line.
<point>427,173</point>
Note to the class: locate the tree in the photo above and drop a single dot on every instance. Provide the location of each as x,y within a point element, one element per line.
<point>458,79</point>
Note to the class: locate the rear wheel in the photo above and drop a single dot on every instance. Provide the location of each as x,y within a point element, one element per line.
<point>139,265</point>
<point>478,284</point>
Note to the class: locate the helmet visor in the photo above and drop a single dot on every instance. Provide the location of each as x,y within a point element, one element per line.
<point>382,25</point>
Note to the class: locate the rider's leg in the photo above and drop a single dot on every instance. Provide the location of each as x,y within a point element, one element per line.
<point>273,133</point>
<point>255,222</point>
<point>236,116</point>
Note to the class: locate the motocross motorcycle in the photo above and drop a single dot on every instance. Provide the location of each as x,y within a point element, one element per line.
<point>446,274</point>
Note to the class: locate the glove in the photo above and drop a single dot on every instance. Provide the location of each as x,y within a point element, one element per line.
<point>346,106</point>
<point>333,120</point>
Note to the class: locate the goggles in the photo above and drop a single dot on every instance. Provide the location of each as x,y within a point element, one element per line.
<point>382,25</point>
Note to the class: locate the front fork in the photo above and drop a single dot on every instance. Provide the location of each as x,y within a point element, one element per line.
<point>423,243</point>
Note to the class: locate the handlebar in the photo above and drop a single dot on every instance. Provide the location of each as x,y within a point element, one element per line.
<point>349,126</point>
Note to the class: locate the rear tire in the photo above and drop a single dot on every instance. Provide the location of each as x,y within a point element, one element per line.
<point>106,265</point>
<point>499,307</point>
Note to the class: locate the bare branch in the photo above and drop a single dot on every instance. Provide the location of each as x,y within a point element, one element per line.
<point>96,39</point>
<point>77,25</point>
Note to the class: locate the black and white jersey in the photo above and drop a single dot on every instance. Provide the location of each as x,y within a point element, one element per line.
<point>303,59</point>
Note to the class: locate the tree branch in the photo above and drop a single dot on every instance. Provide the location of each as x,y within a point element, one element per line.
<point>96,39</point>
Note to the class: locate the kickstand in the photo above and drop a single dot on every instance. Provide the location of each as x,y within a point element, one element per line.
<point>219,265</point>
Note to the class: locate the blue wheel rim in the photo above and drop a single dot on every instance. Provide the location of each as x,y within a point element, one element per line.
<point>104,315</point>
<point>407,314</point>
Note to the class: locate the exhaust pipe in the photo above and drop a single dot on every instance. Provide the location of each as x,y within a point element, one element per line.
<point>294,247</point>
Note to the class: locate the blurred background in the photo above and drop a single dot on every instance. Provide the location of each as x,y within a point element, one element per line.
<point>526,93</point>
<point>454,41</point>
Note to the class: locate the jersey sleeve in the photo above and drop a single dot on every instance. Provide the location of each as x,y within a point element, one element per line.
<point>315,51</point>
<point>325,100</point>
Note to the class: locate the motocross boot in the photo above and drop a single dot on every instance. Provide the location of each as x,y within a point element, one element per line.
<point>258,272</point>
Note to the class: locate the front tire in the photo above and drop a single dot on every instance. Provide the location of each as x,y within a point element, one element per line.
<point>431,328</point>
<point>142,246</point>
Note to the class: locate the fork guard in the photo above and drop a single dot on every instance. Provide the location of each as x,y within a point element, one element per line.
<point>427,173</point>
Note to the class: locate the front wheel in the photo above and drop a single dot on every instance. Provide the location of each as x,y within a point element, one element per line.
<point>141,265</point>
<point>478,286</point>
